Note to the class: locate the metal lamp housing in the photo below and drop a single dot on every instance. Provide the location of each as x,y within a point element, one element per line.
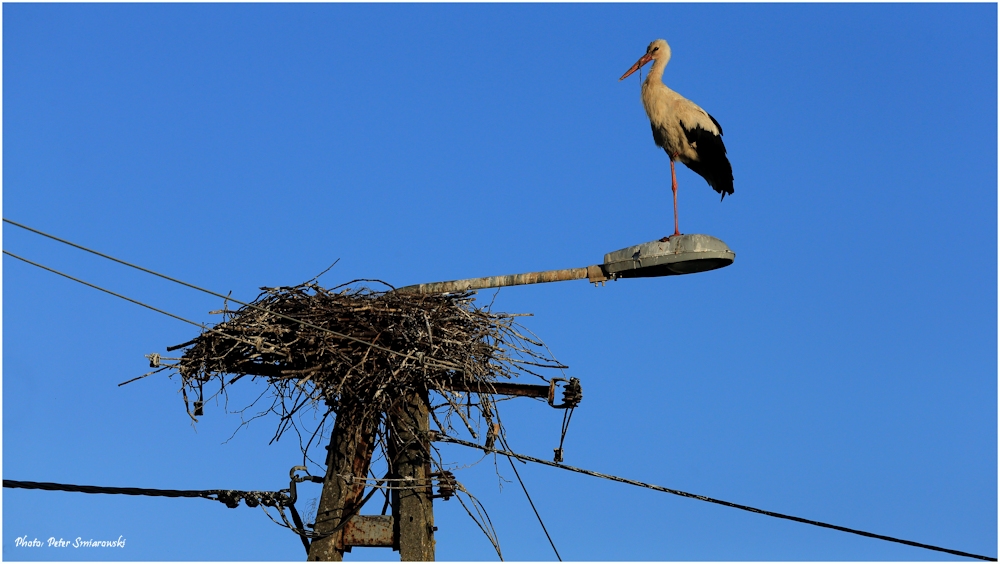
<point>680,254</point>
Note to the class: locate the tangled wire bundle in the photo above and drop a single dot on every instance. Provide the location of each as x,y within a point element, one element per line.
<point>352,345</point>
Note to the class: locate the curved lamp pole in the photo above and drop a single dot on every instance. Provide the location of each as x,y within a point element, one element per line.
<point>681,254</point>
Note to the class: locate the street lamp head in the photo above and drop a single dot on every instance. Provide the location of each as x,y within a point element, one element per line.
<point>681,254</point>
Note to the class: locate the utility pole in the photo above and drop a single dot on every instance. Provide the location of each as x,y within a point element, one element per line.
<point>410,528</point>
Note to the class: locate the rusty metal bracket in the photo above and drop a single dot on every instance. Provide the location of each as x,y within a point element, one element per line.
<point>368,530</point>
<point>596,274</point>
<point>572,394</point>
<point>499,388</point>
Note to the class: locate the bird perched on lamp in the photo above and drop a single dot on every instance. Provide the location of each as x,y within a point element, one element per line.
<point>685,131</point>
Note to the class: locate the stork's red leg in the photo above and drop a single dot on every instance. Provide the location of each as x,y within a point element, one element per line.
<point>673,178</point>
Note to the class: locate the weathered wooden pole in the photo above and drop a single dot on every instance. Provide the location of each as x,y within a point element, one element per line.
<point>350,452</point>
<point>412,506</point>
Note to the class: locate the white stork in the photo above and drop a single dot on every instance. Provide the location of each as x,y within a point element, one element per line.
<point>686,132</point>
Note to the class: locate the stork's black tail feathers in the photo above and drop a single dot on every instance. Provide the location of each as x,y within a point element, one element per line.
<point>712,163</point>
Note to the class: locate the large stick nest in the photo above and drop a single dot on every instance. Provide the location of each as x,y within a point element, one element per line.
<point>353,344</point>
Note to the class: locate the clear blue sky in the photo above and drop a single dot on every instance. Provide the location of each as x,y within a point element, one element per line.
<point>844,369</point>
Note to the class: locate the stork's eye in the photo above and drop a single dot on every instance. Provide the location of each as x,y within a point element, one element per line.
<point>655,48</point>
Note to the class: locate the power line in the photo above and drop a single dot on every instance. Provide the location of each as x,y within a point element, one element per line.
<point>96,287</point>
<point>446,439</point>
<point>526,494</point>
<point>216,294</point>
<point>230,497</point>
<point>126,298</point>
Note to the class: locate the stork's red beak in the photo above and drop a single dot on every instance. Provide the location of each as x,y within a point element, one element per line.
<point>642,60</point>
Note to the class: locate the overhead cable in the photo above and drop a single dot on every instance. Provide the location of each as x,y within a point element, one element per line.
<point>446,439</point>
<point>532,503</point>
<point>230,497</point>
<point>126,298</point>
<point>216,294</point>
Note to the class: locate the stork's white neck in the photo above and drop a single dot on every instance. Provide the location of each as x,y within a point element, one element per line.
<point>656,71</point>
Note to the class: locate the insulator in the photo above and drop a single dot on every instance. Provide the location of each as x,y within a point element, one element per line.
<point>573,393</point>
<point>446,484</point>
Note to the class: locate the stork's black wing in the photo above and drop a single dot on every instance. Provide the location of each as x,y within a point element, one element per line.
<point>712,163</point>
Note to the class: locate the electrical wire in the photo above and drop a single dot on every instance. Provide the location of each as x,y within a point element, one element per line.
<point>446,439</point>
<point>126,298</point>
<point>526,494</point>
<point>230,497</point>
<point>486,526</point>
<point>218,295</point>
